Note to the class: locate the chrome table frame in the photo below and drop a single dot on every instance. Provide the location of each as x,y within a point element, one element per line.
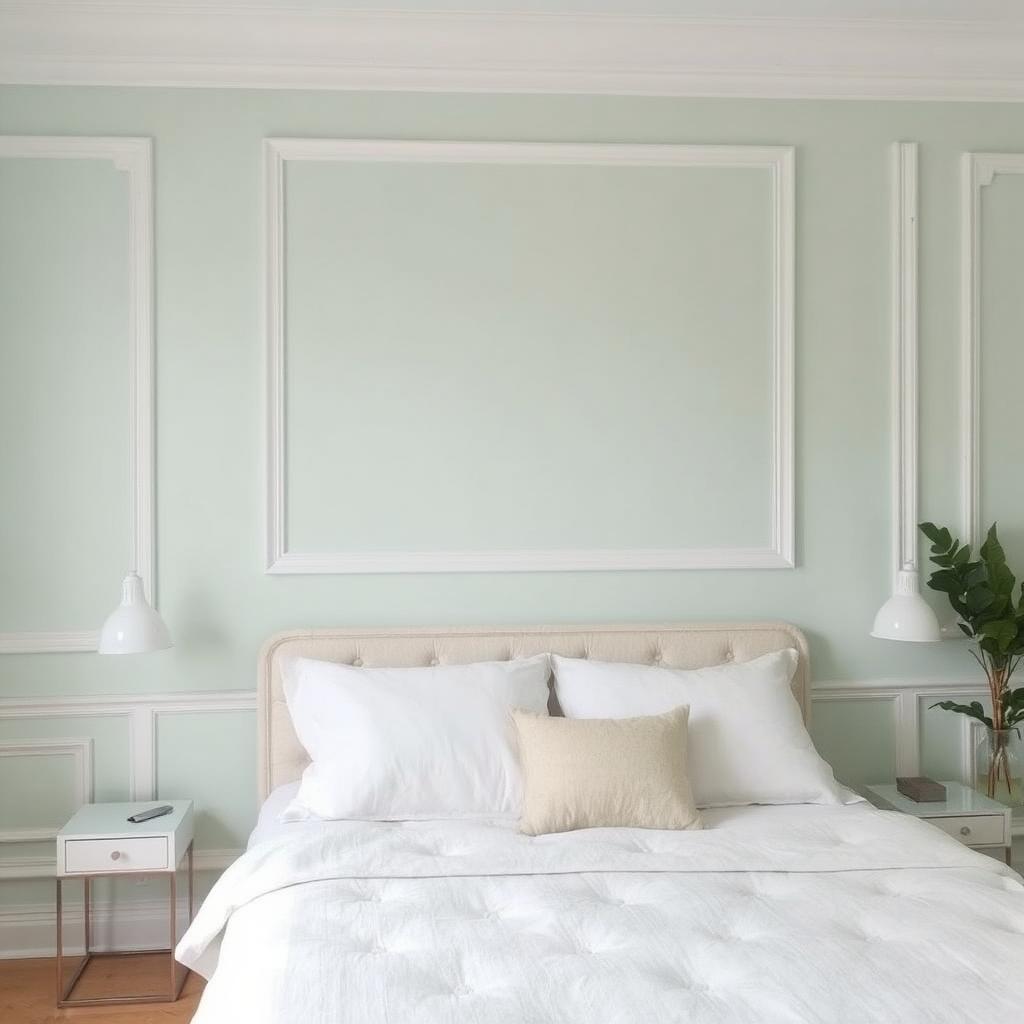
<point>178,973</point>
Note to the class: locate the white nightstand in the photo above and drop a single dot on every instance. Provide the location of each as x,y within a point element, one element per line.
<point>965,814</point>
<point>100,841</point>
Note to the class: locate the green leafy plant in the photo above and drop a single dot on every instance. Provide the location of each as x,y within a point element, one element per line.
<point>981,591</point>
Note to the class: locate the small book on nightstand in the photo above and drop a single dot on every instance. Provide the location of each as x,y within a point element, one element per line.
<point>922,789</point>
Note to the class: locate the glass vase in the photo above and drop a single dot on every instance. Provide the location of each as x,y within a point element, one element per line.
<point>999,765</point>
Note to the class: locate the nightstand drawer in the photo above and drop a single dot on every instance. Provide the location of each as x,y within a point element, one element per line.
<point>975,829</point>
<point>147,853</point>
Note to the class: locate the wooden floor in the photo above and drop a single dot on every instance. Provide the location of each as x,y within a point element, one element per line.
<point>28,992</point>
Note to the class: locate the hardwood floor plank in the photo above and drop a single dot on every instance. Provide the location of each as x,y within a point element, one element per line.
<point>28,992</point>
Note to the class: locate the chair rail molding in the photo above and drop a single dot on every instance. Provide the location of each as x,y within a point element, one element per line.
<point>978,170</point>
<point>908,697</point>
<point>776,161</point>
<point>132,42</point>
<point>133,156</point>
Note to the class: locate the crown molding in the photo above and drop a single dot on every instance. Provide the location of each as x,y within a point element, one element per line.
<point>59,42</point>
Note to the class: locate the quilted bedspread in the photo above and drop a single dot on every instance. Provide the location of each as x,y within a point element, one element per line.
<point>823,914</point>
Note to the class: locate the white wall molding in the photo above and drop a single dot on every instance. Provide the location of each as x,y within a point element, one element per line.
<point>978,170</point>
<point>29,930</point>
<point>133,156</point>
<point>140,712</point>
<point>224,703</point>
<point>908,697</point>
<point>777,161</point>
<point>554,560</point>
<point>125,703</point>
<point>84,707</point>
<point>49,642</point>
<point>905,357</point>
<point>27,835</point>
<point>890,619</point>
<point>951,684</point>
<point>250,46</point>
<point>79,750</point>
<point>897,707</point>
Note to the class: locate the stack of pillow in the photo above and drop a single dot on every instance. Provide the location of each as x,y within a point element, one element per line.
<point>640,745</point>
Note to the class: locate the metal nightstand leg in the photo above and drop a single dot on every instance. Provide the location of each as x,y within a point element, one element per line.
<point>63,991</point>
<point>179,973</point>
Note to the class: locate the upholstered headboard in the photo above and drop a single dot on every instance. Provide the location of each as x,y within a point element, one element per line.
<point>282,757</point>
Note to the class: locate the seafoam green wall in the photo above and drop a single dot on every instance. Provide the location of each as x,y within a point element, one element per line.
<point>212,589</point>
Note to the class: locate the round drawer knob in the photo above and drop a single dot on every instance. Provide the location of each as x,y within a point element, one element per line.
<point>965,831</point>
<point>116,855</point>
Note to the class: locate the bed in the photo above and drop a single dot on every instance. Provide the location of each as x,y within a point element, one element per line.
<point>798,913</point>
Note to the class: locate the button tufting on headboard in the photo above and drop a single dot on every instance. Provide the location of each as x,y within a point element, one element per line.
<point>282,758</point>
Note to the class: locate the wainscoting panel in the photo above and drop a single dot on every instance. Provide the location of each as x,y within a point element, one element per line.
<point>992,310</point>
<point>997,489</point>
<point>118,744</point>
<point>173,745</point>
<point>858,734</point>
<point>76,313</point>
<point>39,801</point>
<point>585,293</point>
<point>873,730</point>
<point>42,783</point>
<point>190,747</point>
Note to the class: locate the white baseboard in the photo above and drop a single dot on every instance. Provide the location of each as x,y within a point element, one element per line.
<point>118,925</point>
<point>30,929</point>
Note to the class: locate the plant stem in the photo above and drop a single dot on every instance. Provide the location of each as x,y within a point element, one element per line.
<point>997,684</point>
<point>1004,759</point>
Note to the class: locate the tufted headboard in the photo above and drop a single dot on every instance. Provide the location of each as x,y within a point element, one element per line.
<point>282,757</point>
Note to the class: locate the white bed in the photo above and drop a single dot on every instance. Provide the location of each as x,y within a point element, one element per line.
<point>830,913</point>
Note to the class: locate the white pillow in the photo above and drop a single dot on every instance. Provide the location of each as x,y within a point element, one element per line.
<point>747,740</point>
<point>392,744</point>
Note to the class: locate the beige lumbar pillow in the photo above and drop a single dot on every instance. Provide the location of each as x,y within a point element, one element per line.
<point>596,772</point>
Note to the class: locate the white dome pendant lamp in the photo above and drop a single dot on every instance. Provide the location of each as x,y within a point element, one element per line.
<point>134,626</point>
<point>906,615</point>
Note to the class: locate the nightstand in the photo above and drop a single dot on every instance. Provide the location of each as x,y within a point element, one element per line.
<point>99,841</point>
<point>965,814</point>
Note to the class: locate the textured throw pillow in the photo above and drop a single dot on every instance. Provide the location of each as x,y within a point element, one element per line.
<point>592,773</point>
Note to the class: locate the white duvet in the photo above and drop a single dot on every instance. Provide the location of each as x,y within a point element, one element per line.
<point>770,914</point>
